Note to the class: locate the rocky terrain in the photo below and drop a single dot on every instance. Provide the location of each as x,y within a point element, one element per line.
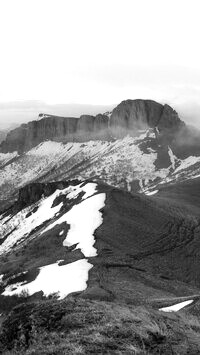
<point>99,234</point>
<point>129,115</point>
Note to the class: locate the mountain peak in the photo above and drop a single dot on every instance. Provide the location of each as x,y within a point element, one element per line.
<point>139,114</point>
<point>129,115</point>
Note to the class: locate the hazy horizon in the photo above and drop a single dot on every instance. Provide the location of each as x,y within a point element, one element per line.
<point>96,54</point>
<point>15,113</point>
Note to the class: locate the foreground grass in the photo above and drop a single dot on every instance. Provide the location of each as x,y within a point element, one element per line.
<point>77,326</point>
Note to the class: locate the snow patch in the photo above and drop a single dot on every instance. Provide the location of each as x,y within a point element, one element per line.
<point>19,226</point>
<point>186,163</point>
<point>47,148</point>
<point>150,193</point>
<point>53,278</point>
<point>89,189</point>
<point>6,157</point>
<point>176,307</point>
<point>84,219</point>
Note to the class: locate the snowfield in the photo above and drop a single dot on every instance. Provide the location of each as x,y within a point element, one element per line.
<point>6,157</point>
<point>53,278</point>
<point>84,219</point>
<point>176,307</point>
<point>89,189</point>
<point>18,227</point>
<point>120,163</point>
<point>186,163</point>
<point>151,193</point>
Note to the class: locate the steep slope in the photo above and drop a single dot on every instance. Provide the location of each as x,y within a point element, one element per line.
<point>140,146</point>
<point>140,164</point>
<point>134,247</point>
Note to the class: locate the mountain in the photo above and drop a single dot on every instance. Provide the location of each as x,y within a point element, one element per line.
<point>122,257</point>
<point>99,234</point>
<point>135,159</point>
<point>58,213</point>
<point>130,115</point>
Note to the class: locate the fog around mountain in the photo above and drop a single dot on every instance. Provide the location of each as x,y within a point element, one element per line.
<point>13,114</point>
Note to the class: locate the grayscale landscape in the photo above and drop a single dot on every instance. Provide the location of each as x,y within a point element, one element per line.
<point>99,177</point>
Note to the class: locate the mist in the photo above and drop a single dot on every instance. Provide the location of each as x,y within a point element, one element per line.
<point>12,114</point>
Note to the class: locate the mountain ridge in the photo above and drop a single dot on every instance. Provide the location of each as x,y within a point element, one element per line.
<point>129,115</point>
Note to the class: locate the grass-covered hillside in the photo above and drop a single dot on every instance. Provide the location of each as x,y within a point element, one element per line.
<point>78,326</point>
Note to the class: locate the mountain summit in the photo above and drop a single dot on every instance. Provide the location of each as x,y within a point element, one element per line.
<point>131,115</point>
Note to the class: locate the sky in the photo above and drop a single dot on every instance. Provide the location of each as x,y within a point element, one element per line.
<point>56,54</point>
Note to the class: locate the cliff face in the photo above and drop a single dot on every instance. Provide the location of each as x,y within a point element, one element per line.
<point>128,115</point>
<point>137,114</point>
<point>33,192</point>
<point>29,135</point>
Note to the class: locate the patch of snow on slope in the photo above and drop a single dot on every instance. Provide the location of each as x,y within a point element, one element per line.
<point>118,163</point>
<point>176,307</point>
<point>5,157</point>
<point>150,193</point>
<point>89,189</point>
<point>195,176</point>
<point>19,226</point>
<point>186,163</point>
<point>47,157</point>
<point>172,157</point>
<point>47,148</point>
<point>53,278</point>
<point>84,219</point>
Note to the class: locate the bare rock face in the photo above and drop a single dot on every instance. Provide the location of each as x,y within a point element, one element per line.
<point>33,192</point>
<point>87,123</point>
<point>169,119</point>
<point>29,135</point>
<point>128,115</point>
<point>131,114</point>
<point>140,114</point>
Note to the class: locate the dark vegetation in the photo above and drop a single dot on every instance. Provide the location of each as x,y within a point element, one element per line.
<point>158,234</point>
<point>78,326</point>
<point>148,258</point>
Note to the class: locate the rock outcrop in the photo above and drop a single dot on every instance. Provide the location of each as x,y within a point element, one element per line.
<point>33,192</point>
<point>139,114</point>
<point>128,115</point>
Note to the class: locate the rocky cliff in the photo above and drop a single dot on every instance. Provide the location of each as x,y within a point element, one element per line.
<point>138,114</point>
<point>128,115</point>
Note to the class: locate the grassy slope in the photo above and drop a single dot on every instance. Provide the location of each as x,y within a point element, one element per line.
<point>147,247</point>
<point>77,326</point>
<point>146,258</point>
